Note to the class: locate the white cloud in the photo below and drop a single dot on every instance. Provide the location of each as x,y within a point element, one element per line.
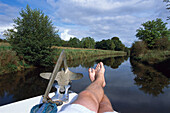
<point>7,14</point>
<point>97,4</point>
<point>3,28</point>
<point>103,19</point>
<point>65,35</point>
<point>53,3</point>
<point>99,19</point>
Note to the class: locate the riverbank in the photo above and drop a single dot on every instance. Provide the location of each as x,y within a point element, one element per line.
<point>10,62</point>
<point>155,58</point>
<point>152,57</point>
<point>79,53</point>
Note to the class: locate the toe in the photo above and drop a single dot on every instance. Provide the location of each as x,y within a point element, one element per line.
<point>92,71</point>
<point>101,64</point>
<point>89,70</point>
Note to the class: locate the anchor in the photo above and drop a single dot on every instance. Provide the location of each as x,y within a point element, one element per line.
<point>63,79</point>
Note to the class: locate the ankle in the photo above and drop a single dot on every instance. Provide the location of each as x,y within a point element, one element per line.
<point>99,82</point>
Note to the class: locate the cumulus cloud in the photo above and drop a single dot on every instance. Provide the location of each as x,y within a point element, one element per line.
<point>3,28</point>
<point>65,35</point>
<point>7,14</point>
<point>104,19</point>
<point>99,19</point>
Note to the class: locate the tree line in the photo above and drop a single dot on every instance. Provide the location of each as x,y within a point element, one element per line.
<point>34,35</point>
<point>153,35</point>
<point>88,42</point>
<point>3,40</point>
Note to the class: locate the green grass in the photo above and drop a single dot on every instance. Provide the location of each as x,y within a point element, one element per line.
<point>154,56</point>
<point>5,46</point>
<point>9,62</point>
<point>80,53</point>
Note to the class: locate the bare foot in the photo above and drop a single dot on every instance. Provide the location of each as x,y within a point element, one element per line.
<point>97,73</point>
<point>92,74</point>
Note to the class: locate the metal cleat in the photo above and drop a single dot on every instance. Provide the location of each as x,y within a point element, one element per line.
<point>63,79</point>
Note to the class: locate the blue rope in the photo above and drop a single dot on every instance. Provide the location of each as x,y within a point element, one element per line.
<point>44,108</point>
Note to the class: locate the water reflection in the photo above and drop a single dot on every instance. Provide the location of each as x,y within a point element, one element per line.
<point>21,85</point>
<point>130,87</point>
<point>112,61</point>
<point>148,79</point>
<point>27,84</point>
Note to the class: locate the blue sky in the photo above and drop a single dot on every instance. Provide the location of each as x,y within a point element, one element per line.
<point>99,19</point>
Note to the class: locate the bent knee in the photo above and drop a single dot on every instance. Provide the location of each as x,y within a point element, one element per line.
<point>89,96</point>
<point>87,99</point>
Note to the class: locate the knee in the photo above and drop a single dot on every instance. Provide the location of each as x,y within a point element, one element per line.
<point>106,106</point>
<point>89,96</point>
<point>87,93</point>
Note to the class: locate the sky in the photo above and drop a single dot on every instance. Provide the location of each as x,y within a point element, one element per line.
<point>99,19</point>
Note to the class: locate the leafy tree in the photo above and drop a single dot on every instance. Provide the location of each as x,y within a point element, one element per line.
<point>74,42</point>
<point>151,31</point>
<point>64,43</point>
<point>33,36</point>
<point>162,44</point>
<point>127,50</point>
<point>167,7</point>
<point>138,48</point>
<point>105,44</point>
<point>88,42</point>
<point>118,44</point>
<point>112,45</point>
<point>1,40</point>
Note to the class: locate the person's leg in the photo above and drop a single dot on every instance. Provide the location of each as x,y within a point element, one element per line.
<point>93,94</point>
<point>104,105</point>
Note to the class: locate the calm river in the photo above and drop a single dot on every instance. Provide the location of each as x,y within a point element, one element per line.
<point>131,87</point>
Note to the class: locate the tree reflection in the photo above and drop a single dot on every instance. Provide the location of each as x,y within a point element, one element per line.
<point>149,80</point>
<point>27,84</point>
<point>112,61</point>
<point>22,85</point>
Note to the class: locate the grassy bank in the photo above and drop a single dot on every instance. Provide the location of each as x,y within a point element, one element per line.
<point>9,62</point>
<point>79,53</point>
<point>152,57</point>
<point>5,46</point>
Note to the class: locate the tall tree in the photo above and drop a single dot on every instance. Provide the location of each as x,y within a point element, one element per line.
<point>33,36</point>
<point>167,7</point>
<point>118,44</point>
<point>151,31</point>
<point>74,42</point>
<point>105,44</point>
<point>88,42</point>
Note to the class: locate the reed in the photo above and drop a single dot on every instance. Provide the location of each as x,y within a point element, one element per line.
<point>79,53</point>
<point>154,56</point>
<point>9,62</point>
<point>5,46</point>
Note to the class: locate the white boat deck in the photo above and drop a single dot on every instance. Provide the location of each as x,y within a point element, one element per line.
<point>25,106</point>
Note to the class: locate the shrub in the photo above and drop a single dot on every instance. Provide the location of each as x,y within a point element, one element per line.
<point>8,61</point>
<point>162,44</point>
<point>138,48</point>
<point>33,36</point>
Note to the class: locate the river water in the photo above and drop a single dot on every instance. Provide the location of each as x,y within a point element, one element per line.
<point>131,87</point>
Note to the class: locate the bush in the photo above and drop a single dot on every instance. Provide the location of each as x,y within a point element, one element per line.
<point>155,56</point>
<point>152,30</point>
<point>162,44</point>
<point>33,38</point>
<point>8,61</point>
<point>138,48</point>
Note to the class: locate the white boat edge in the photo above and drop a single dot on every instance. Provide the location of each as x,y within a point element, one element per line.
<point>25,106</point>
